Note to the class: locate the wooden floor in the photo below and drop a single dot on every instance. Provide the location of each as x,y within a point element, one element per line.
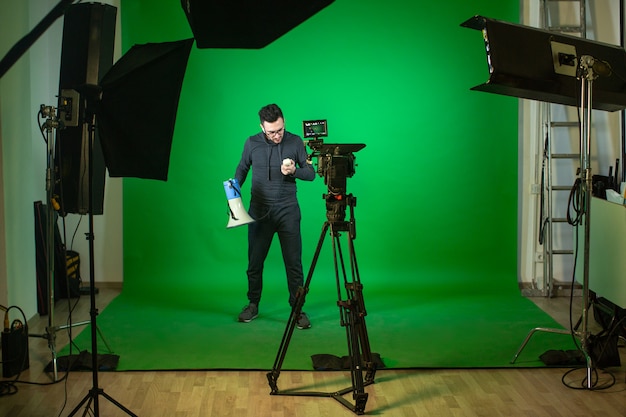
<point>401,393</point>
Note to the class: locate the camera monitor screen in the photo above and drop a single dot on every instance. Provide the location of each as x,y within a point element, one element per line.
<point>315,128</point>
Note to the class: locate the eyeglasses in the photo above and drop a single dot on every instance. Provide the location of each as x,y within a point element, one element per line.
<point>275,132</point>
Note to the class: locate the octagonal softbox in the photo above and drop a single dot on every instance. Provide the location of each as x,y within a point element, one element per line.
<point>246,24</point>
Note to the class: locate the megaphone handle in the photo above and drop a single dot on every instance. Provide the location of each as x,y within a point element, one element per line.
<point>231,213</point>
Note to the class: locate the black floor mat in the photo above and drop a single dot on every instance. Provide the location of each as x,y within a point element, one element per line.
<point>327,362</point>
<point>83,362</point>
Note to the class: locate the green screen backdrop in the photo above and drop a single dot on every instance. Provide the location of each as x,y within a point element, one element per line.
<point>436,185</point>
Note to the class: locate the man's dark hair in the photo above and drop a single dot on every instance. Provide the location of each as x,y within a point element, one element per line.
<point>270,113</point>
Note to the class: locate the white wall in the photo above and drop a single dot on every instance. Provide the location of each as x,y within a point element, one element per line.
<point>33,81</point>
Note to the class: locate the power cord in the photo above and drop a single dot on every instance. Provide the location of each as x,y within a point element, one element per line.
<point>596,379</point>
<point>576,203</point>
<point>9,386</point>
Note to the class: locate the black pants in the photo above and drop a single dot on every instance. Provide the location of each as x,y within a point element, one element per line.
<point>282,220</point>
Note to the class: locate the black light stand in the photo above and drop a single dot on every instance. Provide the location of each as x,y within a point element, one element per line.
<point>95,392</point>
<point>130,111</point>
<point>335,164</point>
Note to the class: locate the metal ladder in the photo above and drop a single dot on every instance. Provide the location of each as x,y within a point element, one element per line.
<point>560,124</point>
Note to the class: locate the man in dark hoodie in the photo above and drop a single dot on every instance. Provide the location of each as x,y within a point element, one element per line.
<point>277,159</point>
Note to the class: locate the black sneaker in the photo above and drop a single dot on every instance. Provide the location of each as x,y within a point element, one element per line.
<point>303,322</point>
<point>249,313</point>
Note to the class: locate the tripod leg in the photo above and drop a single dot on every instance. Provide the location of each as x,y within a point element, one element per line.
<point>352,312</point>
<point>531,333</point>
<point>358,313</point>
<point>272,377</point>
<point>87,399</point>
<point>53,351</point>
<point>92,396</point>
<point>357,295</point>
<point>126,410</point>
<point>356,360</point>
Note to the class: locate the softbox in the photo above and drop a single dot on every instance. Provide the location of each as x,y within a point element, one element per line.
<point>137,111</point>
<point>535,64</point>
<point>246,24</point>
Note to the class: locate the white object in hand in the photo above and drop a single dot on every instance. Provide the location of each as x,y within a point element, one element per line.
<point>287,162</point>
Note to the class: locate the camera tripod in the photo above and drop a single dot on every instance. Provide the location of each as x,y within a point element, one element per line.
<point>351,310</point>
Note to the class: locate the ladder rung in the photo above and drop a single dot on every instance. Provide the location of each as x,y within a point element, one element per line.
<point>561,187</point>
<point>558,220</point>
<point>565,155</point>
<point>564,124</point>
<point>562,252</point>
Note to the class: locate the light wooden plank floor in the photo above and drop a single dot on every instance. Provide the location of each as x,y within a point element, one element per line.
<point>396,393</point>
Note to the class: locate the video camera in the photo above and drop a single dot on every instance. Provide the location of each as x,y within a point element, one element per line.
<point>335,163</point>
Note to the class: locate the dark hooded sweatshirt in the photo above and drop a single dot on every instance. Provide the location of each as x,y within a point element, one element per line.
<point>269,185</point>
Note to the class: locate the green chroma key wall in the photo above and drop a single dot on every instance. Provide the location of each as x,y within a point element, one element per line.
<point>436,185</point>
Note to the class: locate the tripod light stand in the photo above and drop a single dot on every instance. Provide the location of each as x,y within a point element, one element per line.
<point>95,392</point>
<point>136,125</point>
<point>587,77</point>
<point>542,65</point>
<point>335,164</point>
